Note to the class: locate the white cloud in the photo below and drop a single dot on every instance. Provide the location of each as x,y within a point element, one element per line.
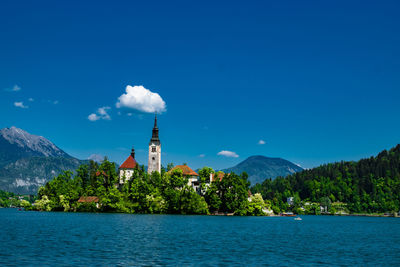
<point>15,88</point>
<point>261,142</point>
<point>129,114</point>
<point>93,117</point>
<point>20,105</point>
<point>202,155</point>
<point>96,157</point>
<point>54,102</point>
<point>100,115</point>
<point>142,99</point>
<point>31,99</point>
<point>227,153</point>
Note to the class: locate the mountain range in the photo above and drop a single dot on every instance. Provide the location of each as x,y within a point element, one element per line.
<point>260,168</point>
<point>27,161</point>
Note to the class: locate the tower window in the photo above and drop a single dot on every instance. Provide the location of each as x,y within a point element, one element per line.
<point>153,158</point>
<point>153,149</point>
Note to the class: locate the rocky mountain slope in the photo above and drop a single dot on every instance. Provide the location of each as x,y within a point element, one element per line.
<point>27,161</point>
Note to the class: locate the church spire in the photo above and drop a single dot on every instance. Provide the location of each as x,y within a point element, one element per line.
<point>155,121</point>
<point>154,150</point>
<point>154,137</point>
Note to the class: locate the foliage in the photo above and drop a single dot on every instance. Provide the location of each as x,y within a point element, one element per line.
<point>229,195</point>
<point>43,204</point>
<point>257,206</point>
<point>8,199</point>
<point>368,186</point>
<point>168,192</point>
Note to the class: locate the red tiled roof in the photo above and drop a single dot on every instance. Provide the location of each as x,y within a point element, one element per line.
<point>186,170</point>
<point>220,175</point>
<point>129,163</point>
<point>88,199</point>
<point>98,173</point>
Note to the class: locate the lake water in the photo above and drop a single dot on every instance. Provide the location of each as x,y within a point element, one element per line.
<point>87,239</point>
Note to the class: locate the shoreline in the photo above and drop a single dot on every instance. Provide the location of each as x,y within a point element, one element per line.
<point>231,214</point>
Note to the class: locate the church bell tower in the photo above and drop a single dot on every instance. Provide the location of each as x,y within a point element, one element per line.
<point>154,151</point>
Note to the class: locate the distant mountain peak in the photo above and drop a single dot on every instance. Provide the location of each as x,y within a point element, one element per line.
<point>37,144</point>
<point>260,167</point>
<point>27,161</point>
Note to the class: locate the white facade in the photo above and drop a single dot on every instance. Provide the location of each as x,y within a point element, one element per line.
<point>125,175</point>
<point>154,157</point>
<point>194,182</point>
<point>154,151</point>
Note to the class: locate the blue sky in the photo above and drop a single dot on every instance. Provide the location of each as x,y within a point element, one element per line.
<point>318,81</point>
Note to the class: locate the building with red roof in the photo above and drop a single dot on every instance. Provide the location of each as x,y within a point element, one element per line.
<point>127,168</point>
<point>90,199</point>
<point>186,170</point>
<point>192,176</point>
<point>216,176</point>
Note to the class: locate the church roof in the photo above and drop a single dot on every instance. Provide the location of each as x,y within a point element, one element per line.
<point>186,170</point>
<point>129,163</point>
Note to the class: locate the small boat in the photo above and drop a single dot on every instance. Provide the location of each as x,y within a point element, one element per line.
<point>298,219</point>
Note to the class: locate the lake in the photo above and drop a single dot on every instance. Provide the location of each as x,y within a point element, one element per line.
<point>87,239</point>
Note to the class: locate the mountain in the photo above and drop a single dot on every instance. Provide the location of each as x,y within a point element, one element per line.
<point>260,167</point>
<point>28,161</point>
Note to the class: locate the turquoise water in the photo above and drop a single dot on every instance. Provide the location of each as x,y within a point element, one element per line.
<point>85,239</point>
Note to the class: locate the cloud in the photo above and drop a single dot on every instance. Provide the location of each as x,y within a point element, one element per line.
<point>227,153</point>
<point>261,142</point>
<point>20,105</point>
<point>93,117</point>
<point>31,99</point>
<point>202,155</point>
<point>142,99</point>
<point>15,88</point>
<point>101,114</point>
<point>54,102</point>
<point>96,157</point>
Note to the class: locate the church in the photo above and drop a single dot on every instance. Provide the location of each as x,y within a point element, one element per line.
<point>126,170</point>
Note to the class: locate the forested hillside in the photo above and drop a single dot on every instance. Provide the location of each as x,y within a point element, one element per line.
<point>369,185</point>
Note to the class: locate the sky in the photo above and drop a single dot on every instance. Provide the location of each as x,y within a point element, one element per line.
<point>308,81</point>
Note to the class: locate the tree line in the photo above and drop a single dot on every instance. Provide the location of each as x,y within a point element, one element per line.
<point>370,185</point>
<point>159,193</point>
